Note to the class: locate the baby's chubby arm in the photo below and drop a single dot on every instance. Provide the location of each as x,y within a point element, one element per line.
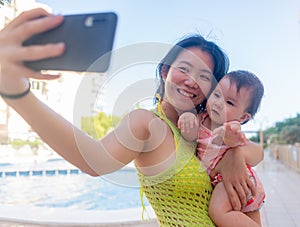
<point>231,133</point>
<point>188,124</point>
<point>233,137</point>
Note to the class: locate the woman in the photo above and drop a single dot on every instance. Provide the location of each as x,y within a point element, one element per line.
<point>149,138</point>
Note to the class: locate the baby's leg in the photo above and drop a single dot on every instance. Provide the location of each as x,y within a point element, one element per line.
<point>221,212</point>
<point>255,216</point>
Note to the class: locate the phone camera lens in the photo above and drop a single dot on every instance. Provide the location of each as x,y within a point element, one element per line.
<point>89,21</point>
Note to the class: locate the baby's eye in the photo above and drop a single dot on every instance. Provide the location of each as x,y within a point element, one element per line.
<point>230,103</point>
<point>217,95</point>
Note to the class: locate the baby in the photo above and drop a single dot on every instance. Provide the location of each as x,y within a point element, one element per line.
<point>233,102</point>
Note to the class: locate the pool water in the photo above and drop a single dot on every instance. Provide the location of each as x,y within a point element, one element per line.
<point>44,185</point>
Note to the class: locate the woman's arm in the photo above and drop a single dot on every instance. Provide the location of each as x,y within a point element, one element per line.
<point>91,156</point>
<point>235,174</point>
<point>112,152</point>
<point>254,153</point>
<point>235,177</point>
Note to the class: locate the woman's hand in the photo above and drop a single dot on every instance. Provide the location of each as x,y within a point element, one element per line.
<point>13,74</point>
<point>235,177</point>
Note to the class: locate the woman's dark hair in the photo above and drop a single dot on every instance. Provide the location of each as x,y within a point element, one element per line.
<point>221,61</point>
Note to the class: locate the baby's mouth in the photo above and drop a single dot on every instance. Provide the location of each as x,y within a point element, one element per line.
<point>214,112</point>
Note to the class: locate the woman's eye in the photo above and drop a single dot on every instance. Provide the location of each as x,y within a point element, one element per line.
<point>183,69</point>
<point>204,77</point>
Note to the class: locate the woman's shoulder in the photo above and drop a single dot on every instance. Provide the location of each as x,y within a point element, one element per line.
<point>140,118</point>
<point>146,126</point>
<point>142,114</point>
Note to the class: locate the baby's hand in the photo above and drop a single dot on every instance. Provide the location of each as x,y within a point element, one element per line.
<point>187,121</point>
<point>231,133</point>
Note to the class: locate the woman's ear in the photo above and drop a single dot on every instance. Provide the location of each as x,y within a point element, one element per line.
<point>245,117</point>
<point>164,72</point>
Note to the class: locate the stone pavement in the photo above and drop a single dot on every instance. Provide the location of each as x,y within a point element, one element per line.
<point>282,206</point>
<point>282,186</point>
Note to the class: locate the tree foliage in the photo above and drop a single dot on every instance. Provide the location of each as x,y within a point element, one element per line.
<point>99,125</point>
<point>285,132</point>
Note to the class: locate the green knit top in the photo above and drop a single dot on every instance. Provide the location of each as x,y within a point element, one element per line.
<point>180,194</point>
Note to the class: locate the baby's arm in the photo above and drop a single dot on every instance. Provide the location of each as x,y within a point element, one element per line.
<point>234,137</point>
<point>188,125</point>
<point>231,133</point>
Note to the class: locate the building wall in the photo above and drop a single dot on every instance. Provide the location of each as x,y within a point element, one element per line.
<point>61,94</point>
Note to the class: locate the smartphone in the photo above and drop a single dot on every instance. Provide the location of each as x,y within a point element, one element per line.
<point>89,41</point>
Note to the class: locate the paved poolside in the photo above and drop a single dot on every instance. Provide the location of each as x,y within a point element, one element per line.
<point>282,185</point>
<point>282,207</point>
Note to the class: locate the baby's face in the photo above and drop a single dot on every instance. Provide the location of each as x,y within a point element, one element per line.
<point>227,104</point>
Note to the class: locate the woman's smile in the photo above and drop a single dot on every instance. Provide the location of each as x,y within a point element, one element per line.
<point>186,94</point>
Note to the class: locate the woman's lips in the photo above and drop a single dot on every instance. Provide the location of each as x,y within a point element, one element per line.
<point>186,94</point>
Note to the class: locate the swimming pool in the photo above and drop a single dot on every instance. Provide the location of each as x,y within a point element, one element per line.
<point>57,184</point>
<point>45,190</point>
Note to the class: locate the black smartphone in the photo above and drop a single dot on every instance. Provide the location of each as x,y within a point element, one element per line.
<point>89,41</point>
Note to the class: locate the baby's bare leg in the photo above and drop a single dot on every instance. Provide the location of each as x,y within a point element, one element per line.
<point>255,216</point>
<point>221,212</point>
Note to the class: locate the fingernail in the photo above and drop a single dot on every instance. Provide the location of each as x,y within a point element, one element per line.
<point>61,44</point>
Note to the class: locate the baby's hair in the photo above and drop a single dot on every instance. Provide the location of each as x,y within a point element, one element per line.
<point>246,79</point>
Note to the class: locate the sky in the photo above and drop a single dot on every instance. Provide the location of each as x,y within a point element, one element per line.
<point>262,36</point>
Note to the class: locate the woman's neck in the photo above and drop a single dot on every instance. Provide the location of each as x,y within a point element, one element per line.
<point>170,112</point>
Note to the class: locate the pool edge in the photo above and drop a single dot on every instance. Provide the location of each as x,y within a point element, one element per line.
<point>36,216</point>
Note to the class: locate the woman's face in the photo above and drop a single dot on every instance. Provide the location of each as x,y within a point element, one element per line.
<point>189,79</point>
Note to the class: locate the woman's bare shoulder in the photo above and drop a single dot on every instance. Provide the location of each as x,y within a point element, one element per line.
<point>141,114</point>
<point>138,121</point>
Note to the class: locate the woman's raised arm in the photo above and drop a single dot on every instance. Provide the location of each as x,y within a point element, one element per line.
<point>91,156</point>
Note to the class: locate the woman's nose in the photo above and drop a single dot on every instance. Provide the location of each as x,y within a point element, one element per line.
<point>191,82</point>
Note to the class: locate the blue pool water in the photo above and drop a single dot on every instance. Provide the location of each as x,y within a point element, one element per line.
<point>55,184</point>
